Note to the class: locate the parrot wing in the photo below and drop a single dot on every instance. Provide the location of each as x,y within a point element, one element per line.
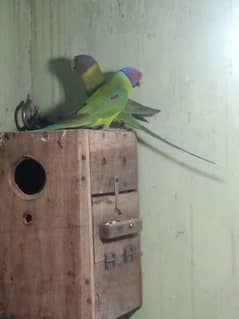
<point>108,108</point>
<point>140,110</point>
<point>131,122</point>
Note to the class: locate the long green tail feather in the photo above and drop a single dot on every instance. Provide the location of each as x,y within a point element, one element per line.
<point>130,121</point>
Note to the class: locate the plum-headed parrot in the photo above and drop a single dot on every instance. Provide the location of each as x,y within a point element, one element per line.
<point>109,103</point>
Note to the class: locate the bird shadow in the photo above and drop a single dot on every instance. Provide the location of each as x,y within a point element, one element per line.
<point>180,163</point>
<point>71,85</point>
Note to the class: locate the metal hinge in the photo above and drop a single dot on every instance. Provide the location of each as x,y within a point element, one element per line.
<point>129,253</point>
<point>110,260</point>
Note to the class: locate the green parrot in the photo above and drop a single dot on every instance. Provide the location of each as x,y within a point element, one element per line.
<point>102,107</point>
<point>108,104</point>
<point>93,78</point>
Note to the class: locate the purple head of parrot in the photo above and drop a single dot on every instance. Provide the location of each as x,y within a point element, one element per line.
<point>134,75</point>
<point>82,63</point>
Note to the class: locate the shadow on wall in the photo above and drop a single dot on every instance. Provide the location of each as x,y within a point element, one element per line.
<point>129,315</point>
<point>72,86</point>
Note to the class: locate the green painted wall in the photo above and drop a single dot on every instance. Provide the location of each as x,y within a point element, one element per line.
<point>188,51</point>
<point>15,49</point>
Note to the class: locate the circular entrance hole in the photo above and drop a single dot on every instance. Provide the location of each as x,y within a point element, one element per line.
<point>30,176</point>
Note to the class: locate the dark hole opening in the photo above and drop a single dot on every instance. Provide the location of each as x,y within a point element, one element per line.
<point>27,219</point>
<point>30,176</point>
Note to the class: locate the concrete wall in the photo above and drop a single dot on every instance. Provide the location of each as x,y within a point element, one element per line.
<point>188,51</point>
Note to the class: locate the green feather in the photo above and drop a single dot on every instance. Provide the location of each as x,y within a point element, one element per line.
<point>140,110</point>
<point>110,108</point>
<point>93,78</point>
<point>131,122</point>
<point>109,105</point>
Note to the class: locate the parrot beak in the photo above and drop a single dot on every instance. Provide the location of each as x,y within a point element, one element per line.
<point>141,81</point>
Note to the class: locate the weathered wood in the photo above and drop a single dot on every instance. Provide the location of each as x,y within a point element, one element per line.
<point>51,255</point>
<point>104,211</point>
<point>46,266</point>
<point>118,288</point>
<point>87,296</point>
<point>118,291</point>
<point>112,152</point>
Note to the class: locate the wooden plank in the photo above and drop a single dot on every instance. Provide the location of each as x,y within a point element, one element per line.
<point>46,266</point>
<point>118,288</point>
<point>118,291</point>
<point>56,206</point>
<point>39,275</point>
<point>48,240</point>
<point>104,211</point>
<point>112,153</point>
<point>87,296</point>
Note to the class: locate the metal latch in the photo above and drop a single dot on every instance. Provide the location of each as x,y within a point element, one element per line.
<point>129,253</point>
<point>116,190</point>
<point>110,259</point>
<point>120,228</point>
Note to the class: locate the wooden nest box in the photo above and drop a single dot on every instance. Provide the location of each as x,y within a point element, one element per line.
<point>69,225</point>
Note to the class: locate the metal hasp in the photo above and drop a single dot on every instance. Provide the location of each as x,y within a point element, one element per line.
<point>116,190</point>
<point>110,259</point>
